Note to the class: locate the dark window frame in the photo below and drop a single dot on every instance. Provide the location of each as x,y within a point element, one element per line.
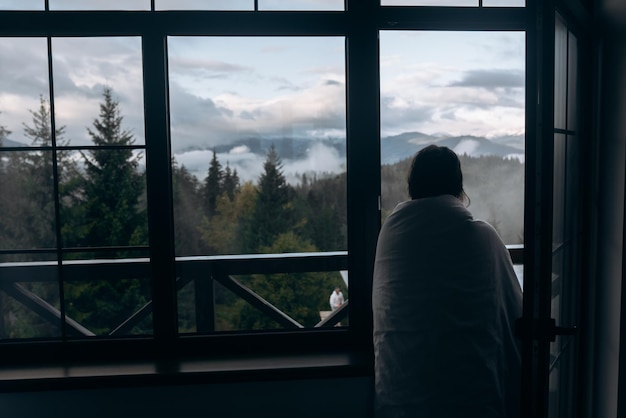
<point>360,24</point>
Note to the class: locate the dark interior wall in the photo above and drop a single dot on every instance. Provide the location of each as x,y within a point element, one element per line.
<point>347,397</point>
<point>610,209</point>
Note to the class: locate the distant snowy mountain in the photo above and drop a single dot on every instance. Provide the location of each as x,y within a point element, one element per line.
<point>398,147</point>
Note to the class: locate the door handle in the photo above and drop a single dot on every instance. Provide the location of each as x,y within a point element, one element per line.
<point>544,329</point>
<point>565,331</point>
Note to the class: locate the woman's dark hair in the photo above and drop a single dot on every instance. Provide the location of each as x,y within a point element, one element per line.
<point>436,171</point>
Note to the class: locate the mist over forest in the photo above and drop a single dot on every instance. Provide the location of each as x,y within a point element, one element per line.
<point>495,186</point>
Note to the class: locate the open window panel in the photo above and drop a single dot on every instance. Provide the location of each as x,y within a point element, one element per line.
<point>566,224</point>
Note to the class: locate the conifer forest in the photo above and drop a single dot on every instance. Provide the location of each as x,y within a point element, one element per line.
<point>89,202</point>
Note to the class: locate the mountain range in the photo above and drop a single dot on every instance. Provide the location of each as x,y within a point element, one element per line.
<point>399,147</point>
<point>393,148</point>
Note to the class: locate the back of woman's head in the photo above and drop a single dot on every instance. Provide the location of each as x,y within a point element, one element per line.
<point>435,171</point>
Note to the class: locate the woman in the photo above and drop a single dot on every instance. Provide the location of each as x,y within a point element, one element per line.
<point>445,298</point>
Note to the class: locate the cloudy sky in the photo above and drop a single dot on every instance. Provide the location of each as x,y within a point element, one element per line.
<point>460,83</point>
<point>223,89</point>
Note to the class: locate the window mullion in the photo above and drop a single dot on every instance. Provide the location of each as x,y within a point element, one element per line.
<point>159,191</point>
<point>57,203</point>
<point>363,160</point>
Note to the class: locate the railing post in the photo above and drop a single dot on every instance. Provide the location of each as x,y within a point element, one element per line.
<point>205,303</point>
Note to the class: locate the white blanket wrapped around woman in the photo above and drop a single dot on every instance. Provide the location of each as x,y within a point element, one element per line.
<point>445,298</point>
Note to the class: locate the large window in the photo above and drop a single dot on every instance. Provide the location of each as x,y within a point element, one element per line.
<point>204,174</point>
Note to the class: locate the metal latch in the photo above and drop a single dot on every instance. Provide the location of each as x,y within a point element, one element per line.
<point>541,329</point>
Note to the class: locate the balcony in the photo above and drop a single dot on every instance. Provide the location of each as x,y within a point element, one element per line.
<point>200,272</point>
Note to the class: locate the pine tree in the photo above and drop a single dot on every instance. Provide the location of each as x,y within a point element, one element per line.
<point>213,185</point>
<point>324,202</point>
<point>187,212</point>
<point>114,217</point>
<point>39,176</point>
<point>29,182</point>
<point>28,186</point>
<point>114,185</point>
<point>230,183</point>
<point>273,213</point>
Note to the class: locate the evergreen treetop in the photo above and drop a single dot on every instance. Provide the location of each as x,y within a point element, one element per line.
<point>41,130</point>
<point>114,185</point>
<point>213,185</point>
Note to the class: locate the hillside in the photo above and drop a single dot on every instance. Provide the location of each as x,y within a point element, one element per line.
<point>494,185</point>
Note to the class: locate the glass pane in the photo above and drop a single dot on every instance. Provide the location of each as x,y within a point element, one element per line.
<point>22,4</point>
<point>204,5</point>
<point>86,70</point>
<point>99,5</point>
<point>105,199</point>
<point>24,89</point>
<point>301,4</point>
<point>572,83</point>
<point>557,290</point>
<point>558,193</point>
<point>429,3</point>
<point>560,74</point>
<point>504,3</point>
<point>107,299</point>
<point>572,189</point>
<point>562,368</point>
<point>27,201</point>
<point>258,142</point>
<point>463,90</point>
<point>562,374</point>
<point>30,309</point>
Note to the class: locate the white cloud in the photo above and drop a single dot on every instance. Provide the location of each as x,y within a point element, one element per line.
<point>241,149</point>
<point>458,82</point>
<point>320,159</point>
